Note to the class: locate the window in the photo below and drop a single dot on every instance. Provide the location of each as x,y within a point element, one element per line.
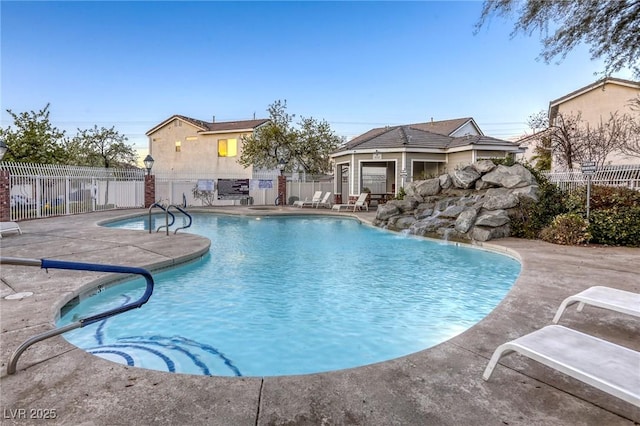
<point>227,147</point>
<point>178,146</point>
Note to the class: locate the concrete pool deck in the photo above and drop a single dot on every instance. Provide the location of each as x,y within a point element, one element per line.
<point>442,385</point>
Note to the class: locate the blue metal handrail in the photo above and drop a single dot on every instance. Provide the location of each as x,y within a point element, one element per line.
<point>77,266</point>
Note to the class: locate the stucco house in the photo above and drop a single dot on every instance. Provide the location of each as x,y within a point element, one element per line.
<point>182,143</point>
<point>384,159</point>
<point>595,103</point>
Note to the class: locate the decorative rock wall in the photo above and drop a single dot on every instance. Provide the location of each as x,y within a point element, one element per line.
<point>472,203</point>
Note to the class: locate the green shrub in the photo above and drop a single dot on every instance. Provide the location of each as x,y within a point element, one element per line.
<point>616,226</point>
<point>566,229</point>
<point>530,217</point>
<point>607,197</point>
<point>401,194</point>
<point>509,161</point>
<point>602,198</point>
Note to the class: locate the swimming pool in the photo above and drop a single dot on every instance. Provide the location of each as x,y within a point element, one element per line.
<point>295,295</point>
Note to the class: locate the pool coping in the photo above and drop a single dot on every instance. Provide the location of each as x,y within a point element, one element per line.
<point>440,385</point>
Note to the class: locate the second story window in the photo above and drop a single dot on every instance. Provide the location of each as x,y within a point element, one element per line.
<point>227,147</point>
<point>178,146</point>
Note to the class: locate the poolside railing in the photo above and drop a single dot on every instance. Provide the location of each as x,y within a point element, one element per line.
<point>44,190</point>
<point>77,266</point>
<point>622,175</point>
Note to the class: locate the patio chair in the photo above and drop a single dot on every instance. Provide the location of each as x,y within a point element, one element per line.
<point>325,201</point>
<point>360,203</point>
<point>613,299</point>
<point>9,227</point>
<point>599,363</point>
<point>309,202</point>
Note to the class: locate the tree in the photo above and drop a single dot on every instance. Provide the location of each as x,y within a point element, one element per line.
<point>307,147</point>
<point>565,139</point>
<point>102,148</point>
<point>604,139</point>
<point>543,156</point>
<point>572,141</point>
<point>632,144</point>
<point>34,140</point>
<point>539,123</point>
<point>611,28</point>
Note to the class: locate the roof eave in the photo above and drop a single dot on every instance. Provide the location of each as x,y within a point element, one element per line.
<point>168,120</point>
<point>593,86</point>
<point>217,132</point>
<point>473,122</point>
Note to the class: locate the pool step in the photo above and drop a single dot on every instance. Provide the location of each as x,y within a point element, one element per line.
<point>167,354</point>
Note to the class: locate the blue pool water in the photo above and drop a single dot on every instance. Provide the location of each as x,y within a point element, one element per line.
<point>295,295</point>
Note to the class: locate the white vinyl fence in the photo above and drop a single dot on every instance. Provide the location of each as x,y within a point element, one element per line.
<point>42,190</point>
<point>622,175</point>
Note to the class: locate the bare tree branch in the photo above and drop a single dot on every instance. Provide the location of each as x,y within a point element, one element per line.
<point>611,28</point>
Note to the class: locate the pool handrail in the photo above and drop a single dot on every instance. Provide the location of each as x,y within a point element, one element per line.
<point>167,213</point>
<point>77,266</point>
<point>181,210</point>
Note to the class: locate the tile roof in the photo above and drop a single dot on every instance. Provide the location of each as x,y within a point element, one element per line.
<point>479,141</point>
<point>432,135</point>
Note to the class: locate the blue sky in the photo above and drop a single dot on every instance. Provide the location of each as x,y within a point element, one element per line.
<point>357,65</point>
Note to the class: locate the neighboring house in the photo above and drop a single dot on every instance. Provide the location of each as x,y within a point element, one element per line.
<point>181,143</point>
<point>384,159</point>
<point>595,103</point>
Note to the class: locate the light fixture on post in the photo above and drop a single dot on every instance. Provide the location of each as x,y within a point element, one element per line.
<point>282,180</point>
<point>148,163</point>
<point>3,148</point>
<point>282,164</point>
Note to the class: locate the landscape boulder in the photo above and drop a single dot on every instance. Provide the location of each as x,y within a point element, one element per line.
<point>465,178</point>
<point>468,204</point>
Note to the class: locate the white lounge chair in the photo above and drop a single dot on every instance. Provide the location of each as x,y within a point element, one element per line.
<point>601,364</point>
<point>613,299</point>
<point>9,227</point>
<point>360,203</point>
<point>325,201</point>
<point>309,202</point>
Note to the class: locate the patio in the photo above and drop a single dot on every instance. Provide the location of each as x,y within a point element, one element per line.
<point>442,385</point>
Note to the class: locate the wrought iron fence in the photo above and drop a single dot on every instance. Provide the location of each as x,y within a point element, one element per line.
<point>42,190</point>
<point>621,175</point>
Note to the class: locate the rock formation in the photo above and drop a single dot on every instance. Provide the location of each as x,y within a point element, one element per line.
<point>471,203</point>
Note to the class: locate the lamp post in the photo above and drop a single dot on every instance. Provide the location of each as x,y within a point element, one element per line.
<point>149,183</point>
<point>282,180</point>
<point>148,163</point>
